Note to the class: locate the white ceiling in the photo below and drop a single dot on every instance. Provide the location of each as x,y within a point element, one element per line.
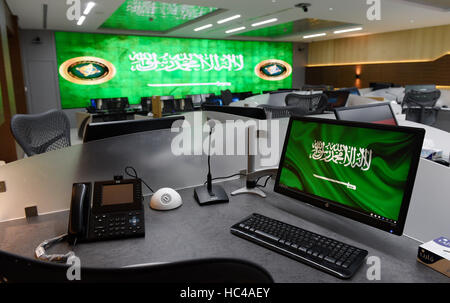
<point>395,15</point>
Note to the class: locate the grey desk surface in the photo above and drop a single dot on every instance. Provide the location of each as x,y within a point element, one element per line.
<point>192,232</point>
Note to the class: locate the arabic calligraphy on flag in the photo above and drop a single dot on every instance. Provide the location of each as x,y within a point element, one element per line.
<point>342,154</point>
<point>144,62</point>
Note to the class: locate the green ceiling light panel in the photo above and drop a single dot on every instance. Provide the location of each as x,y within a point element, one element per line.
<point>107,66</point>
<point>296,27</point>
<point>272,31</point>
<point>143,15</point>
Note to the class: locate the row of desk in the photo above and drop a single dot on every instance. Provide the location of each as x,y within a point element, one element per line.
<point>191,231</point>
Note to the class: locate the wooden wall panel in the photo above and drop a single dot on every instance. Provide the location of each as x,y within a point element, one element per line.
<point>434,72</point>
<point>7,143</point>
<point>424,44</point>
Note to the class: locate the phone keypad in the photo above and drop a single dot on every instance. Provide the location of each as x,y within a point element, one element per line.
<point>118,225</point>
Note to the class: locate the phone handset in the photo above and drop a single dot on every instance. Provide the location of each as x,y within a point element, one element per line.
<point>78,225</point>
<point>79,211</point>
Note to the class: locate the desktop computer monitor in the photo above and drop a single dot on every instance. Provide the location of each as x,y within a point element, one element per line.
<point>362,171</point>
<point>336,98</point>
<point>374,113</point>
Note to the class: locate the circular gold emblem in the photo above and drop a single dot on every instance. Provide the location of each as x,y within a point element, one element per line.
<point>87,70</point>
<point>273,70</point>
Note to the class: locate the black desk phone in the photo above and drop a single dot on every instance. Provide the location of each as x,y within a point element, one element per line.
<point>116,211</point>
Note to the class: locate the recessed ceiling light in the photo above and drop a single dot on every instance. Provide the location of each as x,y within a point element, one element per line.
<point>88,8</point>
<point>315,35</point>
<point>265,22</point>
<point>355,29</point>
<point>235,30</point>
<point>81,20</point>
<point>229,19</point>
<point>331,8</point>
<point>203,27</point>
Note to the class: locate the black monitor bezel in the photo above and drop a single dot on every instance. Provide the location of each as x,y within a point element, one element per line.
<point>338,110</point>
<point>334,207</point>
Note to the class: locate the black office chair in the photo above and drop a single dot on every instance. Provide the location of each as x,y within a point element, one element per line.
<point>14,268</point>
<point>196,99</point>
<point>117,104</point>
<point>315,103</point>
<point>168,106</point>
<point>146,104</point>
<point>420,106</point>
<point>212,100</point>
<point>40,133</point>
<point>188,105</point>
<point>226,96</point>
<point>101,103</point>
<point>297,105</point>
<point>275,112</point>
<point>183,105</point>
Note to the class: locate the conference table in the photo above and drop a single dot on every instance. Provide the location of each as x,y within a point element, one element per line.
<point>189,232</point>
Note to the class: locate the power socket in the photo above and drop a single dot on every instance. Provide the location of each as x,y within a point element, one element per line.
<point>31,211</point>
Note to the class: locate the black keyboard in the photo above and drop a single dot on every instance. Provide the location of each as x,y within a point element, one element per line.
<point>334,257</point>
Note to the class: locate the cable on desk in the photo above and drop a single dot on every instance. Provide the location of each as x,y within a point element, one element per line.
<point>265,183</point>
<point>135,175</point>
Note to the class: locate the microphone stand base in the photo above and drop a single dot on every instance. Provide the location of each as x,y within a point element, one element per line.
<point>204,197</point>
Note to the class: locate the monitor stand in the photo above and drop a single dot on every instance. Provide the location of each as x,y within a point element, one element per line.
<point>250,187</point>
<point>252,175</point>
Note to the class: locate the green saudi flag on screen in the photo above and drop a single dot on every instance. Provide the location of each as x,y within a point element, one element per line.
<point>362,168</point>
<point>171,66</point>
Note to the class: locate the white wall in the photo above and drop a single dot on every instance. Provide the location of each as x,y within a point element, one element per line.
<point>300,59</point>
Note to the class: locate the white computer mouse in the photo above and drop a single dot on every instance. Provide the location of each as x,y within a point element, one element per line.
<point>165,199</point>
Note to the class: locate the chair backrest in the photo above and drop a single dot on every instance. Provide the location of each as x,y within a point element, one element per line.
<point>100,103</point>
<point>118,103</point>
<point>322,87</point>
<point>196,99</point>
<point>15,268</point>
<point>415,98</point>
<point>313,104</point>
<point>40,133</point>
<point>227,97</point>
<point>183,105</point>
<point>420,106</point>
<point>146,104</point>
<point>276,112</point>
<point>168,106</point>
<point>188,104</point>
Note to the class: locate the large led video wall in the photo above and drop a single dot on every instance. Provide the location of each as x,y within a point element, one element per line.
<point>108,66</point>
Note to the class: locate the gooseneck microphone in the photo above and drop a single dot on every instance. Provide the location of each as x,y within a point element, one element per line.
<point>210,194</point>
